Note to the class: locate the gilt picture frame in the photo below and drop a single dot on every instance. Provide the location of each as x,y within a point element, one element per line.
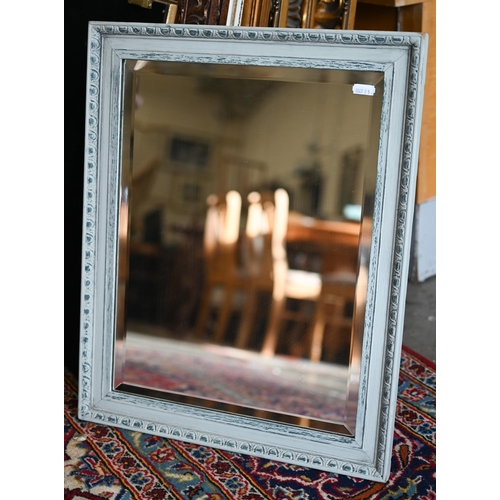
<point>391,63</point>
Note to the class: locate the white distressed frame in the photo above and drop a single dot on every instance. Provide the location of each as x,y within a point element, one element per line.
<point>401,57</point>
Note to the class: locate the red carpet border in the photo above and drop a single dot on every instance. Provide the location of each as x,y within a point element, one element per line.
<point>104,462</point>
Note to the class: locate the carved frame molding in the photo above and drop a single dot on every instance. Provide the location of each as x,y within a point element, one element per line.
<point>367,455</point>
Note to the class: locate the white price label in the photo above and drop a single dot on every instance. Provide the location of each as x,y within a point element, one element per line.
<point>362,89</point>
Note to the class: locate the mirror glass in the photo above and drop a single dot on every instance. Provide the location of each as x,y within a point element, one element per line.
<point>245,229</point>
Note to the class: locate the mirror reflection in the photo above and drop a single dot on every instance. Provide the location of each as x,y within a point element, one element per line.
<point>245,224</point>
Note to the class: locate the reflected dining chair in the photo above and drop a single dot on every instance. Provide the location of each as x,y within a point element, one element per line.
<point>266,268</point>
<point>330,291</point>
<point>220,248</point>
<point>258,256</point>
<point>337,294</point>
<point>287,283</point>
<point>235,261</point>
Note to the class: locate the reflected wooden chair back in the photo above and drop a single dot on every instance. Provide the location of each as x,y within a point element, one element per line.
<point>267,264</point>
<point>265,234</point>
<point>220,240</point>
<point>220,249</point>
<point>266,257</point>
<point>330,294</point>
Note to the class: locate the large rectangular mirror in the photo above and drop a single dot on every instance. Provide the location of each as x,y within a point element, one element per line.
<point>249,198</point>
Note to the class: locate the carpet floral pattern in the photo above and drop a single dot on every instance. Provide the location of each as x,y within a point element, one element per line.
<point>104,462</point>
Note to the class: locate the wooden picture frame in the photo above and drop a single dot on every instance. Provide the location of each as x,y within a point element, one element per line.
<point>386,62</point>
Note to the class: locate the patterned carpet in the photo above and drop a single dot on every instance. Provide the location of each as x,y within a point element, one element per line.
<point>108,463</point>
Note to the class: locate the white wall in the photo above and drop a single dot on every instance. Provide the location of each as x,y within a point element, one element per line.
<point>277,132</point>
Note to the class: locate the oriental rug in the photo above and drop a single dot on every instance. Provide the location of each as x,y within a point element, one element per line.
<point>102,462</point>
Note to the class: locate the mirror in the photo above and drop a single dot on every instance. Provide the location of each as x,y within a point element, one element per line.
<point>213,142</point>
<point>247,228</point>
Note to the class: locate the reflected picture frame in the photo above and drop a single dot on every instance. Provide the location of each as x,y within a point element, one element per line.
<point>186,152</point>
<point>401,58</point>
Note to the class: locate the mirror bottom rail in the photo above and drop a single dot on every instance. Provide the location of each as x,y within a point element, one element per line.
<point>280,388</point>
<point>231,408</point>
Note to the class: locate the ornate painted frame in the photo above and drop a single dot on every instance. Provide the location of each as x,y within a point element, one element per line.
<point>401,57</point>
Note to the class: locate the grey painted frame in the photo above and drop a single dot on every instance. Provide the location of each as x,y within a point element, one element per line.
<point>401,57</point>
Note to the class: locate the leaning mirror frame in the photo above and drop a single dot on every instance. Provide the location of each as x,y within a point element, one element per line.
<point>400,57</point>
